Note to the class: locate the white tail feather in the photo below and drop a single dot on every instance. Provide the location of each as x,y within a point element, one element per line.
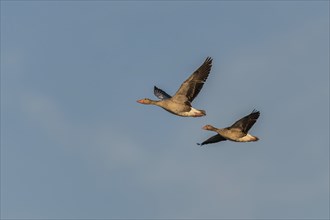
<point>194,113</point>
<point>248,138</point>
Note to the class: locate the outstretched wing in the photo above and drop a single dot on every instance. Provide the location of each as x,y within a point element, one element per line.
<point>245,123</point>
<point>190,88</point>
<point>161,94</point>
<point>214,139</point>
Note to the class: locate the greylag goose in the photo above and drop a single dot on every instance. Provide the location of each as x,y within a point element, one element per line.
<point>237,132</point>
<point>180,103</point>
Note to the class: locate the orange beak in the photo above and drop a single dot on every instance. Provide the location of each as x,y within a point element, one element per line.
<point>140,101</point>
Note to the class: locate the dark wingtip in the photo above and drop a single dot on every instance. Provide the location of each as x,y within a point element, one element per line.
<point>209,59</point>
<point>156,88</point>
<point>255,111</point>
<point>199,144</point>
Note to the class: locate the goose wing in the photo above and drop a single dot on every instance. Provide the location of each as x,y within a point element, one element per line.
<point>245,123</point>
<point>190,88</point>
<point>214,139</point>
<point>161,94</point>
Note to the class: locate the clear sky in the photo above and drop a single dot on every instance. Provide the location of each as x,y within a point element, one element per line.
<point>75,144</point>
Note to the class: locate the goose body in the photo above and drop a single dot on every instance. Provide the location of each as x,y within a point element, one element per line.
<point>237,132</point>
<point>180,103</point>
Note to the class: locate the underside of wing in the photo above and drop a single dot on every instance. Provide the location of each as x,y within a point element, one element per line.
<point>190,88</point>
<point>214,139</point>
<point>161,94</point>
<point>245,123</point>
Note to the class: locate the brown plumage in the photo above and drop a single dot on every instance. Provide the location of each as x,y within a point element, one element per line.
<point>237,132</point>
<point>180,103</point>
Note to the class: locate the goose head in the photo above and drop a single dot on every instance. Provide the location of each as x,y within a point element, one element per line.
<point>145,101</point>
<point>209,127</point>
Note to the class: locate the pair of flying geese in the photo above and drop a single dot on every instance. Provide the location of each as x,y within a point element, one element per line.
<point>180,104</point>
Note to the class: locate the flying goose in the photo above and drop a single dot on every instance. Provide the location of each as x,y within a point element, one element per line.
<point>180,103</point>
<point>238,132</point>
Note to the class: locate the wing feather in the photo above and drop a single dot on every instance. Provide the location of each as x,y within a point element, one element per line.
<point>245,123</point>
<point>214,139</point>
<point>190,88</point>
<point>161,94</point>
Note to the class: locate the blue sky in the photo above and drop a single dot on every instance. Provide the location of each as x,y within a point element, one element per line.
<point>75,144</point>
